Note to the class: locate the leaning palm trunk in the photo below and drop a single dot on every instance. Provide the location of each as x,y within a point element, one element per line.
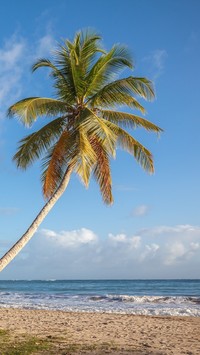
<point>5,260</point>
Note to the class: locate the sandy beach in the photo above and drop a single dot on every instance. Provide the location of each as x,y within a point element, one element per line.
<point>95,333</point>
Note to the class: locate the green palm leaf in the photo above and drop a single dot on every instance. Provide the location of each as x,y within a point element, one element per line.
<point>63,84</point>
<point>132,146</point>
<point>114,95</point>
<point>84,158</point>
<point>101,170</point>
<point>142,155</point>
<point>90,46</point>
<point>65,60</point>
<point>121,92</point>
<point>54,164</point>
<point>129,120</point>
<point>32,146</point>
<point>29,109</point>
<point>140,86</point>
<point>107,67</point>
<point>95,126</point>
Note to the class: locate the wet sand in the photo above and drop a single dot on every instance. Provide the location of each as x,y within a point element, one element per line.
<point>95,333</point>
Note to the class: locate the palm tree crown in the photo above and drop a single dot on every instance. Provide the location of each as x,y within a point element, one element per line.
<point>85,126</point>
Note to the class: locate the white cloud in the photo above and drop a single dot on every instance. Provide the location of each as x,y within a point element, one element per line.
<point>72,238</point>
<point>11,59</point>
<point>194,246</point>
<point>11,54</point>
<point>44,46</point>
<point>133,242</point>
<point>156,62</point>
<point>159,252</point>
<point>149,251</point>
<point>10,87</point>
<point>117,238</point>
<point>140,211</point>
<point>182,229</point>
<point>176,251</point>
<point>16,57</point>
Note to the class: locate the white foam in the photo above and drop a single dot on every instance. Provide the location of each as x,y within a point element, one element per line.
<point>139,305</point>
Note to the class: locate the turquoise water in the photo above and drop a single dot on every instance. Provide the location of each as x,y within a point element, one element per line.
<point>148,297</point>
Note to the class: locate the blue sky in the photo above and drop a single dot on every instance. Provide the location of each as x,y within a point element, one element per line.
<point>153,228</point>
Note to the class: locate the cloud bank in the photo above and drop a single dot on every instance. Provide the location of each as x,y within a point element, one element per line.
<point>160,252</point>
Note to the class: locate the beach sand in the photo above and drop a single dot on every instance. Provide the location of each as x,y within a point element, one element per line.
<point>95,333</point>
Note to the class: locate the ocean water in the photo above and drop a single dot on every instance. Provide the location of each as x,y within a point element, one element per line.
<point>144,297</point>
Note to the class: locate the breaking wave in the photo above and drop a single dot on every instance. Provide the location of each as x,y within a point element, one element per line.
<point>146,299</point>
<point>139,297</point>
<point>124,304</point>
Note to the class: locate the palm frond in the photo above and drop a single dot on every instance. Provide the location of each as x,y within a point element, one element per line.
<point>101,170</point>
<point>84,158</point>
<point>82,53</point>
<point>32,146</point>
<point>132,146</point>
<point>63,82</point>
<point>43,62</point>
<point>120,92</point>
<point>113,95</point>
<point>85,50</point>
<point>90,46</point>
<point>107,67</point>
<point>29,109</point>
<point>142,155</point>
<point>129,120</point>
<point>53,165</point>
<point>67,61</point>
<point>141,87</point>
<point>95,126</point>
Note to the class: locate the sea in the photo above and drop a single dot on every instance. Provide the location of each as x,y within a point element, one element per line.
<point>139,297</point>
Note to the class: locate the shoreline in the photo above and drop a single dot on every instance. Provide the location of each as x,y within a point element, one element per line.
<point>99,333</point>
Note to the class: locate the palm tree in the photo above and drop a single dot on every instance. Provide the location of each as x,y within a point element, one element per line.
<point>85,126</point>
